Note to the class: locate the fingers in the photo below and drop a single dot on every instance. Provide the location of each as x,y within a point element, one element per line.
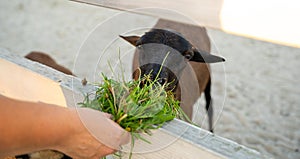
<point>107,115</point>
<point>103,128</point>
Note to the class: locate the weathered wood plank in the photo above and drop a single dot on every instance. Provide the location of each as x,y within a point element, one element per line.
<point>273,21</point>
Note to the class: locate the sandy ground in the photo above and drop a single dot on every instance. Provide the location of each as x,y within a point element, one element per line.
<point>256,92</point>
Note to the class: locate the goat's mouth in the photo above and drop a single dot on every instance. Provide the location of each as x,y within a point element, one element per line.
<point>170,82</point>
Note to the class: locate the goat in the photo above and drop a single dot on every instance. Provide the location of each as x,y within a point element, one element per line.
<point>165,54</point>
<point>45,59</point>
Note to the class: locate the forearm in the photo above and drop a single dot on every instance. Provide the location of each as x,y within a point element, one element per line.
<point>27,127</point>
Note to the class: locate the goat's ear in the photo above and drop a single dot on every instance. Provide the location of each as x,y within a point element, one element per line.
<point>204,57</point>
<point>131,39</point>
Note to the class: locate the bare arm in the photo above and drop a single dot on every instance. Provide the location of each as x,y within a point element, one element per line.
<point>27,127</point>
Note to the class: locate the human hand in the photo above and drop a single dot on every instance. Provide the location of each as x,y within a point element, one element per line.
<point>94,135</point>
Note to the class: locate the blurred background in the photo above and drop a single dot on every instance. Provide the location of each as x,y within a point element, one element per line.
<point>256,91</point>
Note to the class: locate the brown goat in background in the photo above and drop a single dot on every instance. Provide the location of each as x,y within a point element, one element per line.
<point>45,59</point>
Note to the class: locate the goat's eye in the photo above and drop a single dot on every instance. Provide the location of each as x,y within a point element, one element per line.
<point>188,56</point>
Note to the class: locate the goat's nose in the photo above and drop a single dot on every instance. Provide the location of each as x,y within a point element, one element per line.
<point>162,80</point>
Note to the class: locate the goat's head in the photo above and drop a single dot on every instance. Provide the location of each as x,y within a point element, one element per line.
<point>163,54</point>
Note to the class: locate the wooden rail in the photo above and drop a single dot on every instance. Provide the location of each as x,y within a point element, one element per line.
<point>270,20</point>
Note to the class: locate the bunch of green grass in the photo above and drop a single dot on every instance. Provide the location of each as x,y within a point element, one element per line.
<point>136,109</point>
